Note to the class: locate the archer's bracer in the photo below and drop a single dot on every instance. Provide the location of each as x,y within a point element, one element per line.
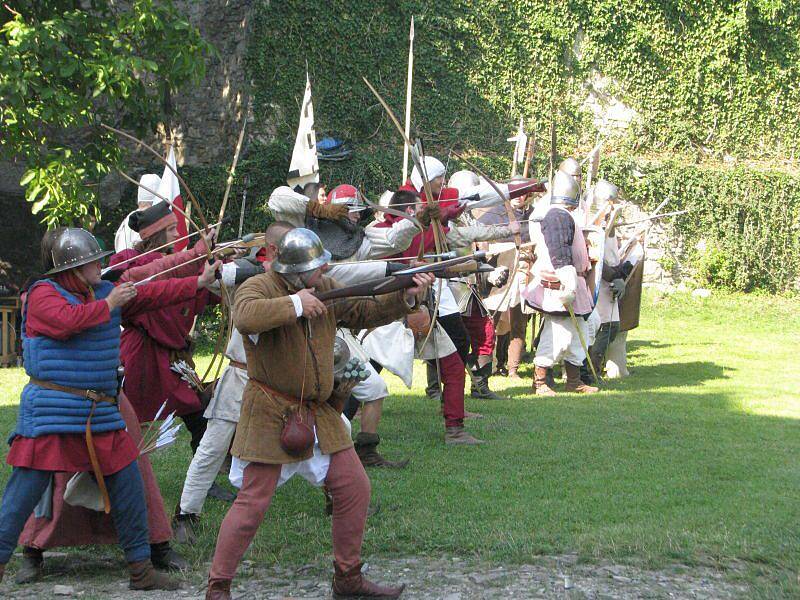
<point>299,251</point>
<point>74,247</point>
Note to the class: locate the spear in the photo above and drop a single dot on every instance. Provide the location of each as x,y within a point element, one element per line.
<point>232,172</point>
<point>653,217</point>
<point>409,81</point>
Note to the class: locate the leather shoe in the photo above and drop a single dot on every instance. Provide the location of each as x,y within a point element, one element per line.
<point>218,589</point>
<point>32,567</point>
<point>218,492</point>
<point>166,558</point>
<point>352,584</point>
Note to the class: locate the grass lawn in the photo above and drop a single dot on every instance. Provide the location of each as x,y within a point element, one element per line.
<point>693,459</point>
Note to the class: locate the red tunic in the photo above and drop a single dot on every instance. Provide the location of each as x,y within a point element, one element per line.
<point>149,338</point>
<point>78,526</point>
<point>449,209</point>
<point>50,314</point>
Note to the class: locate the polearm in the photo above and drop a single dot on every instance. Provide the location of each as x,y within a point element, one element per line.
<point>116,266</point>
<point>244,204</point>
<point>582,340</point>
<point>654,217</point>
<point>409,82</point>
<point>232,172</point>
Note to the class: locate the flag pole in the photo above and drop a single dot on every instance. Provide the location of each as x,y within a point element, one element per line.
<point>409,82</point>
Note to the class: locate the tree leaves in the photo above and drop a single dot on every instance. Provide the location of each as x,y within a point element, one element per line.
<point>63,69</point>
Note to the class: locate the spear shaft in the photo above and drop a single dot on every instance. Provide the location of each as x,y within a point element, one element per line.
<point>409,82</point>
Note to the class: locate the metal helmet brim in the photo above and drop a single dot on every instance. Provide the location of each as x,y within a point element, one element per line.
<point>75,247</point>
<point>300,251</point>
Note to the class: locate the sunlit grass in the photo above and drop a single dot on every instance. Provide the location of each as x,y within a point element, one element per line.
<point>692,459</point>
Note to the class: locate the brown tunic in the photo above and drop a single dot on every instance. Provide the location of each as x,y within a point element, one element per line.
<point>263,307</point>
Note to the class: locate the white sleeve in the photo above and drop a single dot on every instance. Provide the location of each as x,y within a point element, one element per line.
<point>386,241</point>
<point>288,205</point>
<point>483,195</point>
<point>460,237</point>
<point>349,274</point>
<point>298,305</point>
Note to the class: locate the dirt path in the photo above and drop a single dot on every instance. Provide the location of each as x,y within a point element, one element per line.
<point>560,577</point>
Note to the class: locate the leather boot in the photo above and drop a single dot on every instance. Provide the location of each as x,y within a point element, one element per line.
<point>184,527</point>
<point>145,577</point>
<point>574,383</point>
<point>352,584</point>
<point>480,383</point>
<point>541,381</point>
<point>434,389</point>
<point>218,589</point>
<point>458,436</point>
<point>366,445</point>
<point>32,567</point>
<point>166,558</point>
<point>586,374</point>
<point>220,493</point>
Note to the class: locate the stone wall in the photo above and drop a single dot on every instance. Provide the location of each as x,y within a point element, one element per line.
<point>207,118</point>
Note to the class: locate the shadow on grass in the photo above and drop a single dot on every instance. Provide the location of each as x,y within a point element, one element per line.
<point>643,378</point>
<point>662,476</point>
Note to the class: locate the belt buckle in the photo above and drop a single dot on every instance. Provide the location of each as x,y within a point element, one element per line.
<point>92,395</point>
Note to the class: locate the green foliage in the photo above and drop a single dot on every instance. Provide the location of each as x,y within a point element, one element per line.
<point>720,75</point>
<point>744,220</point>
<point>66,66</point>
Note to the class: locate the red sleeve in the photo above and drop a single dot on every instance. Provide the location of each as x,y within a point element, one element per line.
<point>51,315</point>
<point>187,269</point>
<point>158,294</point>
<point>122,256</point>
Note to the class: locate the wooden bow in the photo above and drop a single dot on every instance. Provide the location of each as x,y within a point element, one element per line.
<point>512,217</point>
<point>202,232</point>
<point>438,232</point>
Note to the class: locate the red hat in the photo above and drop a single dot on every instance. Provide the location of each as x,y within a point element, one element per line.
<point>346,194</point>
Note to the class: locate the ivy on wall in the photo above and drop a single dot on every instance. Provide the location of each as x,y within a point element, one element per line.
<point>720,76</point>
<point>743,228</point>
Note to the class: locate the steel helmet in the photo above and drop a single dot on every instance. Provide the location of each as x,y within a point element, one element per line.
<point>565,190</point>
<point>74,247</point>
<point>299,251</point>
<point>604,191</point>
<point>570,166</point>
<point>341,354</point>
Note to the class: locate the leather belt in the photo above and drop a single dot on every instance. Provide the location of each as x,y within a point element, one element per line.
<point>237,364</point>
<point>550,285</point>
<point>92,395</point>
<point>270,392</point>
<point>95,397</point>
